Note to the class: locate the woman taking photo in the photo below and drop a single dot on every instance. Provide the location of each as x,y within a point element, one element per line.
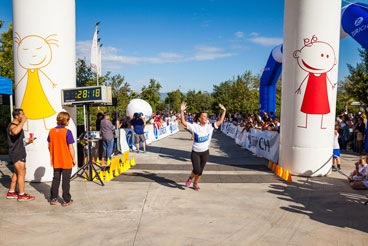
<point>202,136</point>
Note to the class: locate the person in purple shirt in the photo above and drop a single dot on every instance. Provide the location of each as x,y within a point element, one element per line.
<point>107,135</point>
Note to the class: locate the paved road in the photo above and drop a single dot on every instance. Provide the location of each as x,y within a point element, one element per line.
<point>240,203</point>
<point>169,161</point>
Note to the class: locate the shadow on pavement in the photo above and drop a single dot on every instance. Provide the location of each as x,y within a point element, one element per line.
<point>154,177</point>
<point>5,180</point>
<point>327,200</point>
<point>41,187</point>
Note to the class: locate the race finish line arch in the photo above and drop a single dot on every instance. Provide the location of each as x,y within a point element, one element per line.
<point>44,64</point>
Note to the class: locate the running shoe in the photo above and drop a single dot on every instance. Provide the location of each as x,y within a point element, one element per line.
<point>25,197</point>
<point>137,151</point>
<point>64,204</point>
<point>145,151</point>
<point>53,201</point>
<point>11,195</point>
<point>334,168</point>
<point>196,187</point>
<point>189,182</point>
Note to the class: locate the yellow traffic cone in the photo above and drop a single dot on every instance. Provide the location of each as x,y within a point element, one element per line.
<point>270,163</point>
<point>121,168</point>
<point>98,161</point>
<point>108,162</point>
<point>111,174</point>
<point>116,172</point>
<point>132,162</point>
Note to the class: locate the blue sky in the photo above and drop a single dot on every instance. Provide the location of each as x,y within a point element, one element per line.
<point>191,44</point>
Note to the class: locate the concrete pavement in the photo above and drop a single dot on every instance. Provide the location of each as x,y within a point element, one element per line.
<point>240,203</point>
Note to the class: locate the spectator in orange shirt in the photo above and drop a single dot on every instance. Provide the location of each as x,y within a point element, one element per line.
<point>62,156</point>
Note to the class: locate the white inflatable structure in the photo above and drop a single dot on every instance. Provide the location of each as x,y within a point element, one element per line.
<point>139,106</point>
<point>44,63</point>
<point>309,79</point>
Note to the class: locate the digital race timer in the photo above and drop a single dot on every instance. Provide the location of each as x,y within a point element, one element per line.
<point>89,94</point>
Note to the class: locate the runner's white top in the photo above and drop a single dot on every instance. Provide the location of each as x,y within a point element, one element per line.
<point>336,141</point>
<point>202,136</point>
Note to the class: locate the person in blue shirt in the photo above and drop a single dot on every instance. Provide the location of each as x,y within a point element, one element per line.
<point>138,124</point>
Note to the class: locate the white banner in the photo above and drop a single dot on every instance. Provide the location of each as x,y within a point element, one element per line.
<point>262,143</point>
<point>152,133</point>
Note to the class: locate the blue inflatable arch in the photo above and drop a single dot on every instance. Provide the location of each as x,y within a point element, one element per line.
<point>354,22</point>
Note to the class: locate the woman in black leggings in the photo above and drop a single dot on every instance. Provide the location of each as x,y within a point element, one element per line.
<point>202,132</point>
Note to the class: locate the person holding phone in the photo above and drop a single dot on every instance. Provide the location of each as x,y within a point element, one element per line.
<point>18,155</point>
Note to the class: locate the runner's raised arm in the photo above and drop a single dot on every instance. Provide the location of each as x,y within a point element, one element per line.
<point>183,106</point>
<point>218,123</point>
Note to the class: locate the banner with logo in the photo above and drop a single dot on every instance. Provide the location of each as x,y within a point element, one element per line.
<point>152,133</point>
<point>262,143</point>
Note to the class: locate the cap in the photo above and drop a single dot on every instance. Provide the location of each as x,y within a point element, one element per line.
<point>106,113</point>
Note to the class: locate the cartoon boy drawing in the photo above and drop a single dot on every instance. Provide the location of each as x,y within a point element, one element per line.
<point>317,58</point>
<point>33,53</point>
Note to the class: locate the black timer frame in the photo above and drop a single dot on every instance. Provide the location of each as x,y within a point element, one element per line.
<point>89,166</point>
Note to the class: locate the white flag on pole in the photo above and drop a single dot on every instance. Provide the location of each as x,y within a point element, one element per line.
<point>94,51</point>
<point>99,64</point>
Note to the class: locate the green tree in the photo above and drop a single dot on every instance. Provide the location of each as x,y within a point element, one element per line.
<point>6,52</point>
<point>7,71</point>
<point>174,99</point>
<point>151,94</point>
<point>238,95</point>
<point>199,101</point>
<point>84,73</point>
<point>120,90</point>
<point>356,84</point>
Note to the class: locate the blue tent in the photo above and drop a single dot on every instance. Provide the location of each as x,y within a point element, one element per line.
<point>6,87</point>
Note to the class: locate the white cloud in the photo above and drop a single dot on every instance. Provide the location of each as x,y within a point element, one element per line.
<point>209,53</point>
<point>112,60</point>
<point>266,41</point>
<point>254,34</point>
<point>239,34</point>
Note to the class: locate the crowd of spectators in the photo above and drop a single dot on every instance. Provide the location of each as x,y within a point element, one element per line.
<point>351,129</point>
<point>262,122</point>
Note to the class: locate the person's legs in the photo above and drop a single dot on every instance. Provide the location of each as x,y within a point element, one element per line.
<point>11,193</point>
<point>110,148</point>
<point>20,170</point>
<point>196,162</point>
<point>143,139</point>
<point>66,173</point>
<point>55,183</point>
<point>105,145</point>
<point>203,160</point>
<point>338,163</point>
<point>13,183</point>
<point>136,140</point>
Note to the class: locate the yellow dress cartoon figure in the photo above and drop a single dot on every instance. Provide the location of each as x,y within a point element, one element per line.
<point>33,53</point>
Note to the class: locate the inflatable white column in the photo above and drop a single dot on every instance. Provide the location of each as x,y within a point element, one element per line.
<point>309,85</point>
<point>44,63</point>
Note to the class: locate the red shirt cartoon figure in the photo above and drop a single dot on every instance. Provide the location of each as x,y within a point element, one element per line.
<point>317,58</point>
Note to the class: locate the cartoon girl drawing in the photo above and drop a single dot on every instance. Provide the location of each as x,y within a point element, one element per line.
<point>317,58</point>
<point>33,53</point>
